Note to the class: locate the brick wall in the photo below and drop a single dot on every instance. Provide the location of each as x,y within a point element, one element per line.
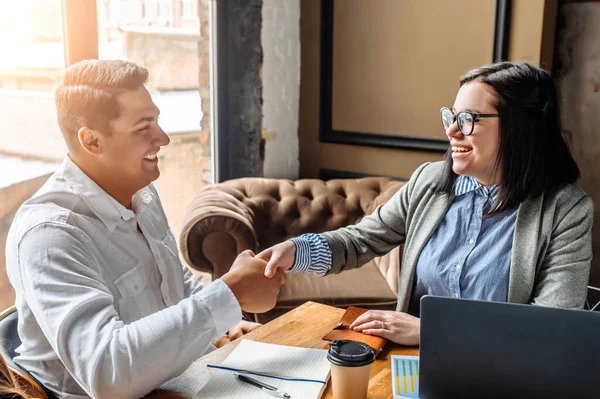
<point>185,169</point>
<point>169,54</point>
<point>204,68</point>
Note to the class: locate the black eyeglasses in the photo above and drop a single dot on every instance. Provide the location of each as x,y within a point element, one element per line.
<point>466,119</point>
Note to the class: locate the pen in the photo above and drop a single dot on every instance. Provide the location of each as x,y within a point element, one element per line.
<point>268,389</point>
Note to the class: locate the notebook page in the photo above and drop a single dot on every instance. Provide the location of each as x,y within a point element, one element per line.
<point>284,361</point>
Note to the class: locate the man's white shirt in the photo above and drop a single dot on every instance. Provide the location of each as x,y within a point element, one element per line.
<point>106,309</point>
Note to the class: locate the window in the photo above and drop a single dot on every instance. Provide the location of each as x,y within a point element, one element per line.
<point>148,12</point>
<point>164,9</point>
<point>187,8</point>
<point>33,58</point>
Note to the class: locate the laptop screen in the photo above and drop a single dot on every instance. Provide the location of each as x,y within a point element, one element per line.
<point>477,349</point>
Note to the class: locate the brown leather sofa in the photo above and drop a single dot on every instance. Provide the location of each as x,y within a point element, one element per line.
<point>256,213</point>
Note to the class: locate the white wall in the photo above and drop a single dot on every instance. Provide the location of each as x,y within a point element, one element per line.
<point>281,86</point>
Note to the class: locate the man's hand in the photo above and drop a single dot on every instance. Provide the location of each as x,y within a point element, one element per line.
<point>398,327</point>
<point>279,257</point>
<point>247,281</point>
<point>243,328</point>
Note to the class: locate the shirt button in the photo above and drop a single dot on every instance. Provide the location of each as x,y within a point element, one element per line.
<point>471,241</point>
<point>457,295</point>
<point>457,267</point>
<point>156,256</point>
<point>136,287</point>
<point>166,297</point>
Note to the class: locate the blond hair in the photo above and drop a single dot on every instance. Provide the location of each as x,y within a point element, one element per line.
<point>9,384</point>
<point>87,93</point>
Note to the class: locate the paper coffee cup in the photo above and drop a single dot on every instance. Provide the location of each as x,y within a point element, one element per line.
<point>350,368</point>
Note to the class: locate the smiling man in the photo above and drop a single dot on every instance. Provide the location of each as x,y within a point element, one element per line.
<point>106,309</point>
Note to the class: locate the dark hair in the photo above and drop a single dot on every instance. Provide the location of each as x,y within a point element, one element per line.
<point>532,154</point>
<point>87,94</point>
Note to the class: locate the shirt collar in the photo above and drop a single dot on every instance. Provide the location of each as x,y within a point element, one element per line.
<point>465,184</point>
<point>108,209</point>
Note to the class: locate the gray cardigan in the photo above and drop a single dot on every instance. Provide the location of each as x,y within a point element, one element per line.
<point>551,251</point>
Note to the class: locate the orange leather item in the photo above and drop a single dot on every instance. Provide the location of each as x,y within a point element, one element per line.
<point>341,331</point>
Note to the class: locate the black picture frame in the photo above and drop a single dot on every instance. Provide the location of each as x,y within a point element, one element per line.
<point>329,135</point>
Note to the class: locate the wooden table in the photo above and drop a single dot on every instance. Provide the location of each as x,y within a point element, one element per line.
<point>303,327</point>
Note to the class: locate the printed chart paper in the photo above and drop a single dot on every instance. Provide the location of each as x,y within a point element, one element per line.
<point>405,376</point>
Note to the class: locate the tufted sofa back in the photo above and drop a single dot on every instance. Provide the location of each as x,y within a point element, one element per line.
<point>284,208</point>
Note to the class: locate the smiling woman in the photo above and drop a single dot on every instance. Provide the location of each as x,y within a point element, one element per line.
<point>474,142</point>
<point>500,220</point>
<point>522,150</point>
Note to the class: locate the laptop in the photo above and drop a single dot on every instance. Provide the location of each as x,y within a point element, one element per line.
<point>476,349</point>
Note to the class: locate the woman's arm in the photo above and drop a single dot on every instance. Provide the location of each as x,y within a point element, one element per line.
<point>563,277</point>
<point>348,247</point>
<point>376,234</point>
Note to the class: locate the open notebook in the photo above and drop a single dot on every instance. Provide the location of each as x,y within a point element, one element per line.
<point>281,362</point>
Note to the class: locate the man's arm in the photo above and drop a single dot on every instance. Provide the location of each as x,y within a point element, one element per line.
<point>74,307</point>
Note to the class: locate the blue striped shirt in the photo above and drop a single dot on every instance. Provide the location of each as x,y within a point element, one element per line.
<point>466,257</point>
<point>312,255</point>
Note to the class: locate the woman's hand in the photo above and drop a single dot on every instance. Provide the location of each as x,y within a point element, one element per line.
<point>278,257</point>
<point>243,328</point>
<point>397,327</point>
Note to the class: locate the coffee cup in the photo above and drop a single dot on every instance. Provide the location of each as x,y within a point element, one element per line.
<point>350,368</point>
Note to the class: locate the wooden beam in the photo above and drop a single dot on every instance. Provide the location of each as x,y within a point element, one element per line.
<point>80,30</point>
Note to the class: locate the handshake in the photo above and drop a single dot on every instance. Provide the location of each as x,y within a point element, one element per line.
<point>255,280</point>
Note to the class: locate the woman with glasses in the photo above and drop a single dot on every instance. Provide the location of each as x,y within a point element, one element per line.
<point>501,219</point>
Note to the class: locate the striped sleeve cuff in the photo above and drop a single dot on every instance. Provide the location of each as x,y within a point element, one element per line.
<point>312,255</point>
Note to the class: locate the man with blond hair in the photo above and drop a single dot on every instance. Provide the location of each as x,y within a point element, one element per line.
<point>106,308</point>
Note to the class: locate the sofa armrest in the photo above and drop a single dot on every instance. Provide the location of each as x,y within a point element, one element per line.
<point>217,227</point>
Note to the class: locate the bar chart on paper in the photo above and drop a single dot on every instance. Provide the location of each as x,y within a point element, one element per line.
<point>405,376</point>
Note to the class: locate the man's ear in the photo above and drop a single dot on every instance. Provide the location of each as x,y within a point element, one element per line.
<point>90,140</point>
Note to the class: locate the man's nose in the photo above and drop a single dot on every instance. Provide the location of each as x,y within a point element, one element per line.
<point>162,138</point>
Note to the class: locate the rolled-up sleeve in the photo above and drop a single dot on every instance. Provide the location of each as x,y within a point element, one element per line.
<point>312,255</point>
<point>64,287</point>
